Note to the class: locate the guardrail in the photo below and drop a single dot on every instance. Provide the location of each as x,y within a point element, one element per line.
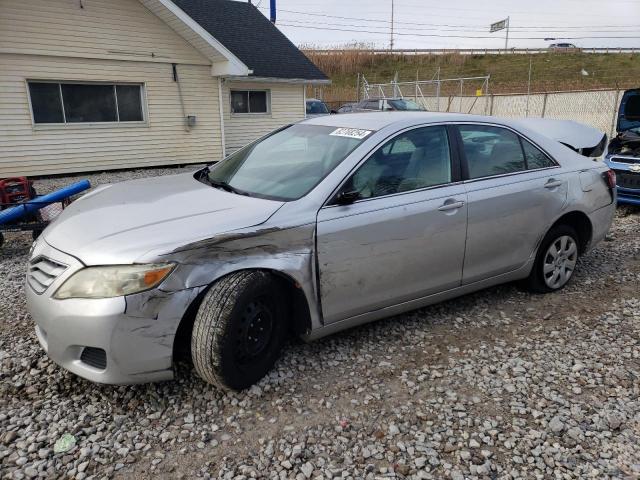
<point>473,51</point>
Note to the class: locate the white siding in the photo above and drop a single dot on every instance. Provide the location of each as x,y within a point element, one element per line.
<point>287,106</point>
<point>37,150</point>
<point>109,29</point>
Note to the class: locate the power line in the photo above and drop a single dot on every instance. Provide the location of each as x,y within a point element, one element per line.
<point>306,22</point>
<point>484,25</point>
<point>450,36</point>
<point>298,12</point>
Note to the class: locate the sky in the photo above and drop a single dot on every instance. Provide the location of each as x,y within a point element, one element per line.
<point>457,23</point>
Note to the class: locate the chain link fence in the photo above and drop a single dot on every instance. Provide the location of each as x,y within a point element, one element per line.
<point>597,108</point>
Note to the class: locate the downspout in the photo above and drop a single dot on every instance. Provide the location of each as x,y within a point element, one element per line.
<point>221,108</point>
<point>177,80</point>
<point>304,99</point>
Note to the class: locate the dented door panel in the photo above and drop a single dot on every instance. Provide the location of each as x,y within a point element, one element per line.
<point>387,250</point>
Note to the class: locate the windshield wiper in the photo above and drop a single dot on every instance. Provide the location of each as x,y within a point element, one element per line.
<point>225,186</point>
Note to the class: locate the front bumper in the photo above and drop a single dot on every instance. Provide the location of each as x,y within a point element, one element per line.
<point>628,196</point>
<point>136,332</point>
<point>628,189</point>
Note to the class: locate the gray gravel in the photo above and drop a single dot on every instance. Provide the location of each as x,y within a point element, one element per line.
<point>499,384</point>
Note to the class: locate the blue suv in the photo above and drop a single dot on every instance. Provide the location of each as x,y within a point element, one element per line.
<point>623,155</point>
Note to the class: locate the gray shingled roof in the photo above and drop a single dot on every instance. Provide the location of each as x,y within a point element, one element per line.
<point>251,37</point>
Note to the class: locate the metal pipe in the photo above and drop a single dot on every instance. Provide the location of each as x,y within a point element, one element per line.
<point>506,38</point>
<point>19,211</point>
<point>273,11</point>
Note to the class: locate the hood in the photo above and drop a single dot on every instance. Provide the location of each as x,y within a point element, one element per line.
<point>629,111</point>
<point>121,223</point>
<point>585,140</point>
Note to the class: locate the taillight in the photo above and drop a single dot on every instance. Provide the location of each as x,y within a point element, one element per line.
<point>610,178</point>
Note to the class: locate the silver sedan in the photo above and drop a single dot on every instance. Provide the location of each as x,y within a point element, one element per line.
<point>317,227</point>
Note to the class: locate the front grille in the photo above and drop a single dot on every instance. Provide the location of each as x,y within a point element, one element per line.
<point>42,272</point>
<point>627,179</point>
<point>94,357</point>
<point>625,159</point>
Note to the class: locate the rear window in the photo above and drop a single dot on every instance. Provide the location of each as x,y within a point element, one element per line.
<point>315,107</point>
<point>405,105</point>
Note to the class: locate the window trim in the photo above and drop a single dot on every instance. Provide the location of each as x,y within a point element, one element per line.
<point>64,125</point>
<point>465,165</point>
<point>454,159</point>
<point>249,90</point>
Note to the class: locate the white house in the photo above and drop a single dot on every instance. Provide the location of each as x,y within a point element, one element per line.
<point>106,84</point>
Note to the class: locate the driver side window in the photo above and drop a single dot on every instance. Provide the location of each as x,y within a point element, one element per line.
<point>414,159</point>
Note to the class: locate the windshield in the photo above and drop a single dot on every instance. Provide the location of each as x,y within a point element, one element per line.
<point>287,164</point>
<point>316,107</point>
<point>405,105</point>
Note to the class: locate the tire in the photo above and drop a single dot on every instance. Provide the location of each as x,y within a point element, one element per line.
<point>551,273</point>
<point>1,240</point>
<point>239,330</point>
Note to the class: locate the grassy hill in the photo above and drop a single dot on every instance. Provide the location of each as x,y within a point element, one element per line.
<point>509,73</point>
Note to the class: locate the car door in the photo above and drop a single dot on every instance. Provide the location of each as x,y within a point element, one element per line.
<point>513,189</point>
<point>403,238</point>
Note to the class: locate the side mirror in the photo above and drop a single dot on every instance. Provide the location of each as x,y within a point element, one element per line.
<point>347,197</point>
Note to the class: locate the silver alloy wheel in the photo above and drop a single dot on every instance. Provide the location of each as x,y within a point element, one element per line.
<point>560,261</point>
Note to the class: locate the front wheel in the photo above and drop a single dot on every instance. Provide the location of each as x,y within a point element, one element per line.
<point>555,261</point>
<point>239,330</point>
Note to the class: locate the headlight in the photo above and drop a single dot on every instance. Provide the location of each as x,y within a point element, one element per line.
<point>113,281</point>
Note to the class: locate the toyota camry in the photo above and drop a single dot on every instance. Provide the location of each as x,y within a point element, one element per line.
<point>317,227</point>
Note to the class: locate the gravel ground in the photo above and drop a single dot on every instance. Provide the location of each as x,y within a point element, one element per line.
<point>499,384</point>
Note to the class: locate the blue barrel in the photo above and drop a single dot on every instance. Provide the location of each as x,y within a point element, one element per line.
<point>19,211</point>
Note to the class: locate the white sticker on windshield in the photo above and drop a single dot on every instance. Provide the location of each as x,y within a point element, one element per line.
<point>350,133</point>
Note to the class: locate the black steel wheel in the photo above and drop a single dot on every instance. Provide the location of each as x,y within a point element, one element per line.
<point>239,330</point>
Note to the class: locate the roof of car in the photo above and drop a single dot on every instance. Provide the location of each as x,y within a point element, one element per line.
<point>251,37</point>
<point>378,120</point>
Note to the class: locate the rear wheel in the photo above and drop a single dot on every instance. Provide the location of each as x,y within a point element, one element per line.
<point>555,261</point>
<point>239,330</point>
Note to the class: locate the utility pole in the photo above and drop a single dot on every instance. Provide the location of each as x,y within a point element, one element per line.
<point>391,43</point>
<point>506,38</point>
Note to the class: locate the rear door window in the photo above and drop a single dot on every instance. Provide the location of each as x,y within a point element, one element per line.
<point>491,151</point>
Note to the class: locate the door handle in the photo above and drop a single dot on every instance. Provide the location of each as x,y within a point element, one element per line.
<point>450,205</point>
<point>552,183</point>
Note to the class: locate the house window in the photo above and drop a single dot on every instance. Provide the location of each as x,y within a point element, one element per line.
<point>250,101</point>
<point>60,102</point>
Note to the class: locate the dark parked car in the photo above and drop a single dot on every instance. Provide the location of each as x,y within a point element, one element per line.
<point>316,108</point>
<point>387,104</point>
<point>623,155</point>
<point>347,108</point>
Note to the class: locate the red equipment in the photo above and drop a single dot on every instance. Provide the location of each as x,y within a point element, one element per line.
<point>15,190</point>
